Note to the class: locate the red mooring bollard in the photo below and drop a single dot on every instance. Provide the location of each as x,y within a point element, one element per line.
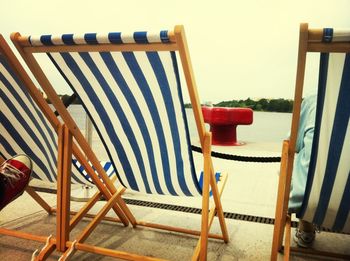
<point>223,123</point>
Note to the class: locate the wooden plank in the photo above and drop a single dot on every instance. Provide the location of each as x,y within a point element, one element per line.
<point>281,193</point>
<point>84,210</point>
<point>23,235</point>
<point>216,197</point>
<point>39,199</point>
<point>60,159</point>
<point>100,48</point>
<point>46,251</point>
<point>66,187</point>
<point>97,219</point>
<point>299,84</point>
<point>113,253</point>
<point>111,219</point>
<point>336,47</point>
<point>205,197</point>
<point>190,80</point>
<point>123,211</point>
<point>177,229</point>
<point>213,211</point>
<point>287,238</point>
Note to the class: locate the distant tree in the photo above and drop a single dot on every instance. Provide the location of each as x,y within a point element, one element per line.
<point>273,105</point>
<point>258,107</point>
<point>264,104</point>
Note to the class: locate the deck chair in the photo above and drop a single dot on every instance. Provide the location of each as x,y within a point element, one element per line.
<point>129,85</point>
<point>28,125</point>
<point>327,193</point>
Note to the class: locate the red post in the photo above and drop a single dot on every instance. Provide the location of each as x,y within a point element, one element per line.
<point>223,123</point>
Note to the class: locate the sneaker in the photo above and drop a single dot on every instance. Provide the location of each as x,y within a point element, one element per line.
<point>14,177</point>
<point>304,239</point>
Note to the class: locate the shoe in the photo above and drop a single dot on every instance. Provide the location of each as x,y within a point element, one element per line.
<point>14,177</point>
<point>304,239</point>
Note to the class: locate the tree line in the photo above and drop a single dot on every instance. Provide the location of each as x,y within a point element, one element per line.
<point>271,105</point>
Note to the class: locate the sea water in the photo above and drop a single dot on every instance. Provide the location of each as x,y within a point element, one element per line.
<point>266,126</point>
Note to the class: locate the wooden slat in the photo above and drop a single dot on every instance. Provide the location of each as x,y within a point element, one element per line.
<point>303,38</point>
<point>23,235</point>
<point>39,199</point>
<point>190,80</point>
<point>113,253</point>
<point>89,228</point>
<point>46,251</point>
<point>205,197</point>
<point>287,238</point>
<point>121,213</point>
<point>59,196</point>
<point>111,219</point>
<point>84,210</point>
<point>213,211</point>
<point>177,229</point>
<point>102,48</point>
<point>336,47</point>
<point>66,188</point>
<point>281,193</point>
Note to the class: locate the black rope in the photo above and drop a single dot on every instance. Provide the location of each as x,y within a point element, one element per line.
<point>239,158</point>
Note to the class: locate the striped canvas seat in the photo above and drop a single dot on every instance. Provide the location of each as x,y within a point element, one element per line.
<point>134,99</point>
<point>129,85</point>
<point>24,129</point>
<point>326,200</point>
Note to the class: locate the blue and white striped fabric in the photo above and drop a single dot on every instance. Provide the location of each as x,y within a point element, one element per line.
<point>326,201</point>
<point>339,35</point>
<point>107,166</point>
<point>24,129</point>
<point>93,38</point>
<point>135,102</point>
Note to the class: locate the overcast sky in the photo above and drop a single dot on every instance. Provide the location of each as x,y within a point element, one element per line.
<point>239,49</point>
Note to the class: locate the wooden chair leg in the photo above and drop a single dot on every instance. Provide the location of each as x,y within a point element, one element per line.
<point>83,211</point>
<point>217,190</point>
<point>121,208</point>
<point>39,199</point>
<point>205,201</point>
<point>64,164</point>
<point>89,228</point>
<point>46,251</point>
<point>69,252</point>
<point>287,238</point>
<point>212,213</point>
<point>281,208</point>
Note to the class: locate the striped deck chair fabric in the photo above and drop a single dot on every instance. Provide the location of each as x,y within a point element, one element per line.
<point>326,200</point>
<point>134,99</point>
<point>24,129</point>
<point>326,196</point>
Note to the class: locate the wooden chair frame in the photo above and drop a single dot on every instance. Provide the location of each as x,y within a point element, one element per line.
<point>66,147</point>
<point>310,40</point>
<point>177,43</point>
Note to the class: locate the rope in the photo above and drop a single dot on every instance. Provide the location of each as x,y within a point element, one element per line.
<point>239,158</point>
